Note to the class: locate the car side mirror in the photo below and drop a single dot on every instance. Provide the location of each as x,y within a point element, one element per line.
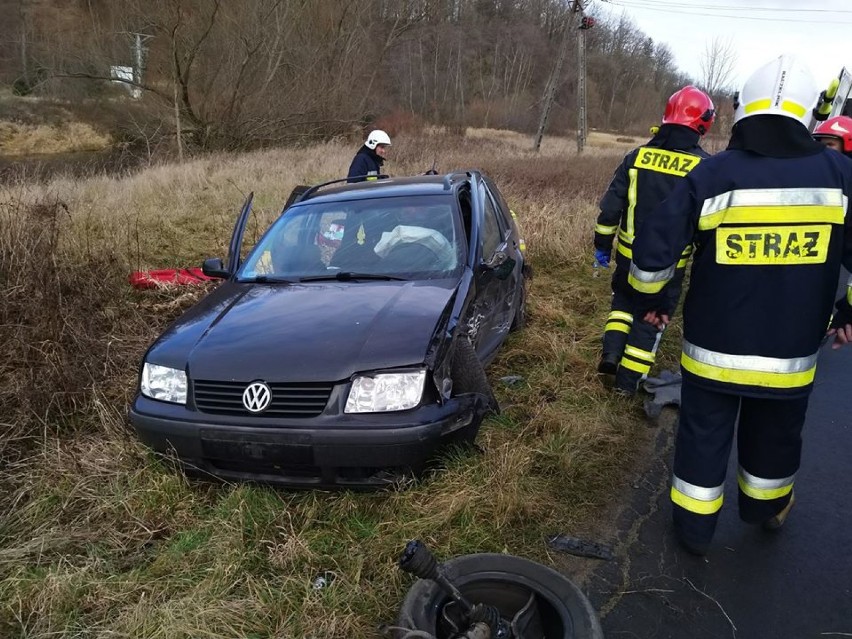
<point>213,267</point>
<point>501,264</point>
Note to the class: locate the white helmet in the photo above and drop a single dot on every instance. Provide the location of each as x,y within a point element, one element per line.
<point>784,86</point>
<point>376,138</point>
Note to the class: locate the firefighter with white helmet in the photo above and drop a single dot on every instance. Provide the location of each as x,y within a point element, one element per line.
<point>367,163</point>
<point>836,133</point>
<point>770,222</point>
<point>643,180</point>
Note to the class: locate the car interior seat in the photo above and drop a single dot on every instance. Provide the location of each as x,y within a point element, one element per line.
<point>356,253</point>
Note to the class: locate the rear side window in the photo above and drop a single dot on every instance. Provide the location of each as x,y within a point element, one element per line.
<point>492,233</point>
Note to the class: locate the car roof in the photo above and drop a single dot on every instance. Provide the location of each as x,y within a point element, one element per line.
<point>340,190</point>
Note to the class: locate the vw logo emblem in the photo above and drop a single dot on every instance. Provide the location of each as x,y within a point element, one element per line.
<point>256,397</point>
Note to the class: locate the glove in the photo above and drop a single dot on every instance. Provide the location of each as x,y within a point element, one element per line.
<point>602,257</point>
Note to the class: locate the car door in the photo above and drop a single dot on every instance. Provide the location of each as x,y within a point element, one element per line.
<point>491,312</point>
<point>513,246</point>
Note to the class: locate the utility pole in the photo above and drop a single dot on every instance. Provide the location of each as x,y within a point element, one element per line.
<point>582,125</point>
<point>553,82</point>
<point>139,39</point>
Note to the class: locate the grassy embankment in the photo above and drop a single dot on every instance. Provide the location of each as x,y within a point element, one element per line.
<point>98,539</point>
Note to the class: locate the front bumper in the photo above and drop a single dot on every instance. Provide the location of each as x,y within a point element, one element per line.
<point>342,451</point>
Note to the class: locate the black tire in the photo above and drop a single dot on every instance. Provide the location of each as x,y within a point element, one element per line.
<point>469,376</point>
<point>504,581</point>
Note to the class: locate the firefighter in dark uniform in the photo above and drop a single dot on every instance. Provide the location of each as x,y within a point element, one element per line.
<point>367,163</point>
<point>836,133</point>
<point>770,222</point>
<point>643,180</point>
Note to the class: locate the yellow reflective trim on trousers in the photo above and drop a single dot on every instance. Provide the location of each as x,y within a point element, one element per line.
<point>746,377</point>
<point>373,177</point>
<point>663,161</point>
<point>639,353</point>
<point>762,245</point>
<point>644,369</point>
<point>605,230</point>
<point>849,290</point>
<point>763,494</point>
<point>696,505</point>
<point>617,326</point>
<point>622,315</point>
<point>631,202</point>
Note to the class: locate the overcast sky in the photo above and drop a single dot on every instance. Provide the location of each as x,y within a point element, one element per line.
<point>820,31</point>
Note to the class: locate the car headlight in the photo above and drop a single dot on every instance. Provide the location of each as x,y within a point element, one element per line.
<point>384,392</point>
<point>163,383</point>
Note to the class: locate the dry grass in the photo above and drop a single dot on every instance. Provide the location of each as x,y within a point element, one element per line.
<point>99,539</point>
<point>46,139</point>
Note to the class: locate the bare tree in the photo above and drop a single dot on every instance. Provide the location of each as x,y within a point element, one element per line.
<point>717,64</point>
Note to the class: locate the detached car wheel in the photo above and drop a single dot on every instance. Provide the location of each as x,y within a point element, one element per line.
<point>561,610</point>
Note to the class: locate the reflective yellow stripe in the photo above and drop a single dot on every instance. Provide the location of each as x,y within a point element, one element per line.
<point>696,505</point>
<point>849,290</point>
<point>663,161</point>
<point>650,281</point>
<point>370,179</point>
<point>784,214</point>
<point>644,369</point>
<point>626,251</point>
<point>638,353</point>
<point>763,493</point>
<point>617,326</point>
<point>645,287</point>
<point>761,488</point>
<point>747,377</point>
<point>757,105</point>
<point>621,315</point>
<point>606,230</point>
<point>682,262</point>
<point>793,107</point>
<point>708,222</point>
<point>631,201</point>
<point>826,205</point>
<point>624,237</point>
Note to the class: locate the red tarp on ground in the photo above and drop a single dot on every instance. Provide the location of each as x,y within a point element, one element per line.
<point>167,277</point>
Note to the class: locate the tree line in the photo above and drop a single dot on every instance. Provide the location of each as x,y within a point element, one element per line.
<point>224,74</point>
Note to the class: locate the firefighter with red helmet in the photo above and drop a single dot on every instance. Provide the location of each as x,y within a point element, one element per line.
<point>771,225</point>
<point>836,133</point>
<point>644,179</point>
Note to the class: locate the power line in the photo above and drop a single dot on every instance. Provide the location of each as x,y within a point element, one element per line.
<point>728,7</point>
<point>637,5</point>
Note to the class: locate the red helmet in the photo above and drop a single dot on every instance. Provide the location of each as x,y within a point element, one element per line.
<point>839,127</point>
<point>692,108</point>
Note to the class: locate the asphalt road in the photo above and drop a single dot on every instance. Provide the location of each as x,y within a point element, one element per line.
<point>795,583</point>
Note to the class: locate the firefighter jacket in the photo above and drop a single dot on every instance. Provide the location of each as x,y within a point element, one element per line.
<point>645,178</point>
<point>770,235</point>
<point>365,163</point>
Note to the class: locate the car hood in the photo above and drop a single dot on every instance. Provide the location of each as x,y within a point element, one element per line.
<point>304,332</point>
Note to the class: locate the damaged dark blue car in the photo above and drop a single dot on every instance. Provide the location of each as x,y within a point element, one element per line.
<point>349,345</point>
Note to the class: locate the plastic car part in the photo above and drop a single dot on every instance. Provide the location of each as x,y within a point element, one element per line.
<point>541,603</point>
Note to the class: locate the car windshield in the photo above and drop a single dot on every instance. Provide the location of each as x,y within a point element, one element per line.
<point>412,238</point>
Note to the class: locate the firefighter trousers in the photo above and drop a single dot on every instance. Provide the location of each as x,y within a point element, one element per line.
<point>769,446</point>
<point>630,340</point>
